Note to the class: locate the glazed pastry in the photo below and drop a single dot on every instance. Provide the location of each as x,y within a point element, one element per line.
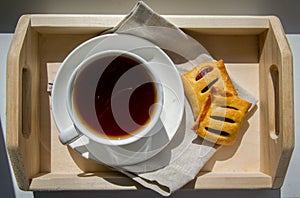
<point>198,82</point>
<point>221,120</point>
<point>217,109</point>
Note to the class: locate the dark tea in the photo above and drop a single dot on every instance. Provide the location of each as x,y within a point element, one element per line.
<point>114,96</point>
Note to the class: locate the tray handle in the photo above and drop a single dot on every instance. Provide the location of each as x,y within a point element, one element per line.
<point>277,104</point>
<point>22,103</point>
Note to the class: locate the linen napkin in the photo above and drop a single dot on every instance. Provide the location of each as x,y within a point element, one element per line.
<point>183,158</point>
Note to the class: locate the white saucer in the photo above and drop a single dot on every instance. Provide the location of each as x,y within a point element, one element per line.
<point>172,112</point>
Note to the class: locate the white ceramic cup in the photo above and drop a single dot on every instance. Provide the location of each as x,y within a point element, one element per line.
<point>79,127</point>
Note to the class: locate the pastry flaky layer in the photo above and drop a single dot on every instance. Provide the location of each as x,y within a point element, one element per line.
<point>217,109</point>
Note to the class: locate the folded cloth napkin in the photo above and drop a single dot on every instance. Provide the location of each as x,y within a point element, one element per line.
<point>185,157</point>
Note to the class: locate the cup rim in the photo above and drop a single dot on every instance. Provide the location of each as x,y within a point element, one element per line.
<point>121,141</point>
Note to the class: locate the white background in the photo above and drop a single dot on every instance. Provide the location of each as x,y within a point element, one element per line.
<point>287,10</point>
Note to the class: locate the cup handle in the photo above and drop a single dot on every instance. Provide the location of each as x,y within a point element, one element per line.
<point>69,135</point>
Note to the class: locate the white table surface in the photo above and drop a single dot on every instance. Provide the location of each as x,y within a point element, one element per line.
<point>290,188</point>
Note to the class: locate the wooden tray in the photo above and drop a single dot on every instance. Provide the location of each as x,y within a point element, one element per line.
<point>255,50</point>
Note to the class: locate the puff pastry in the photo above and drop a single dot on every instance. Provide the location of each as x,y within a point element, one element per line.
<point>222,119</point>
<point>217,109</point>
<point>198,82</point>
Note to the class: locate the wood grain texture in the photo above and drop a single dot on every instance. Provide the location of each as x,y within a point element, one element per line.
<point>255,51</point>
<point>17,139</point>
<point>277,126</point>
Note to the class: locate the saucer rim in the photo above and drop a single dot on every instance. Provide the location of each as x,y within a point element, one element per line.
<point>96,40</point>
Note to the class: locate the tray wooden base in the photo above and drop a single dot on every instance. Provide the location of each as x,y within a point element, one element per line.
<point>255,51</point>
